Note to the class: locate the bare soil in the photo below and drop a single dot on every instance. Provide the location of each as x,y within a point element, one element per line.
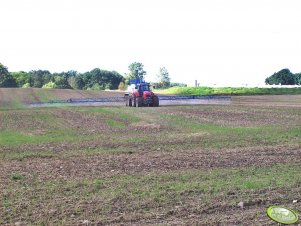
<point>106,165</point>
<point>114,155</point>
<point>28,95</point>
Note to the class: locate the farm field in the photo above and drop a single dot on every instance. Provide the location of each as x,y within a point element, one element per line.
<point>14,98</point>
<point>172,165</point>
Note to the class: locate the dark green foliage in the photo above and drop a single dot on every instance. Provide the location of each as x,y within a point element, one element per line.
<point>17,176</point>
<point>104,79</point>
<point>283,77</point>
<point>298,78</point>
<point>62,79</point>
<point>6,79</point>
<point>109,86</point>
<point>79,82</point>
<point>76,82</point>
<point>21,78</point>
<point>61,82</point>
<point>136,71</point>
<point>95,79</point>
<point>40,77</point>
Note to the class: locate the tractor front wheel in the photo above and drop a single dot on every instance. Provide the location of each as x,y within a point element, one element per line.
<point>155,101</point>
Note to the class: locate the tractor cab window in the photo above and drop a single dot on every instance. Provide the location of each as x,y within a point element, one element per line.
<point>144,88</point>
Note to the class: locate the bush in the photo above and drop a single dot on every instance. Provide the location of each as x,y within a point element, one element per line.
<point>109,86</point>
<point>49,85</point>
<point>96,86</point>
<point>229,91</point>
<point>121,86</point>
<point>26,85</point>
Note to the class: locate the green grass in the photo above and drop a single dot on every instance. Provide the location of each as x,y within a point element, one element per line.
<point>14,138</point>
<point>115,124</point>
<point>234,136</point>
<point>126,114</point>
<point>17,177</point>
<point>228,91</point>
<point>11,105</point>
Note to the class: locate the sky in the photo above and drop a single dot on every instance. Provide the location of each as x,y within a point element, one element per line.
<point>213,41</point>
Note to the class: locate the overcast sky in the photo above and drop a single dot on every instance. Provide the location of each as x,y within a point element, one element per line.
<point>213,41</point>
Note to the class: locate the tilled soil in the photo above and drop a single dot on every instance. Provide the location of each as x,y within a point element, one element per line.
<point>29,95</point>
<point>107,165</point>
<point>240,117</point>
<point>73,162</point>
<point>158,162</point>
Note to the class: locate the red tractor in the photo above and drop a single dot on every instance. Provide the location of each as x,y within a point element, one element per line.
<point>139,94</point>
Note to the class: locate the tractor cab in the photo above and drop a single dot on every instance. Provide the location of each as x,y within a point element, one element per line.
<point>142,88</point>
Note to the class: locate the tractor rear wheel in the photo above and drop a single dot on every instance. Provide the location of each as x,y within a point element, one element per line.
<point>139,101</point>
<point>155,101</point>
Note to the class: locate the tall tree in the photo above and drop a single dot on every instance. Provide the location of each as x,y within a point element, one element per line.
<point>101,79</point>
<point>61,82</point>
<point>298,78</point>
<point>6,79</point>
<point>283,77</point>
<point>163,78</point>
<point>21,78</point>
<point>136,71</point>
<point>40,77</point>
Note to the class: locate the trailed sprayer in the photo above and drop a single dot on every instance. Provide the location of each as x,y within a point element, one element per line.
<point>139,94</point>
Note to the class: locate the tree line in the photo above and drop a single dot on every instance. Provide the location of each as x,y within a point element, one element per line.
<point>96,79</point>
<point>284,77</point>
